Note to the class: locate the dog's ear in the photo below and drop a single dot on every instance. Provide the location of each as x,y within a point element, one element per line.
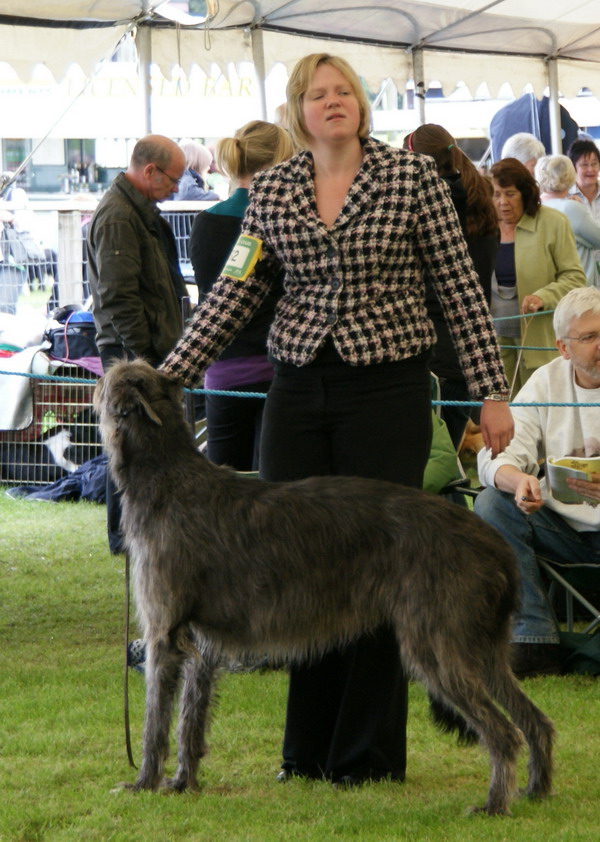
<point>148,409</point>
<point>134,386</point>
<point>97,397</point>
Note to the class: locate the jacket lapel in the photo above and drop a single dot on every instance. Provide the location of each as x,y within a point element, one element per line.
<point>366,185</point>
<point>302,190</point>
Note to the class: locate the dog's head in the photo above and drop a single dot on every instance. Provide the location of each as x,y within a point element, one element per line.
<point>132,400</point>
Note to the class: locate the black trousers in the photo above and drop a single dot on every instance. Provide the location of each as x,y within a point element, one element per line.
<point>234,428</point>
<point>346,713</point>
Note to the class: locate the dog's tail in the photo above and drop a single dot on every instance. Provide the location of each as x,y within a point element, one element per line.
<point>450,721</point>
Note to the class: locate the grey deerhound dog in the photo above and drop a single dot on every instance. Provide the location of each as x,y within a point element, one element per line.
<point>293,568</point>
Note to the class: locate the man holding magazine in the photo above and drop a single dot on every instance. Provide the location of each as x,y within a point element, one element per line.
<point>518,500</point>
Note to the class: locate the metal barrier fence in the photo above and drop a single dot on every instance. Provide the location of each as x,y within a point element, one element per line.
<point>62,432</point>
<point>56,263</point>
<point>58,432</point>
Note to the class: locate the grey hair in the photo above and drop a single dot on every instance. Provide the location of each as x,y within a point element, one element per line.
<point>149,150</point>
<point>523,146</point>
<point>197,156</point>
<point>572,306</point>
<point>555,173</point>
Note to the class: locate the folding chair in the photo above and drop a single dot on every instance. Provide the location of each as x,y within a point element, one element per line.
<point>458,485</point>
<point>573,578</point>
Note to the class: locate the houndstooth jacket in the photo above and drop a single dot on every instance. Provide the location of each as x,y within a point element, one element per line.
<point>359,281</point>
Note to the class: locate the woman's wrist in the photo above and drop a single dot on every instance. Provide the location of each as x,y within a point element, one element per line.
<point>503,397</point>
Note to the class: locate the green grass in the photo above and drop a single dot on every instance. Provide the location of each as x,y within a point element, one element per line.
<point>61,728</point>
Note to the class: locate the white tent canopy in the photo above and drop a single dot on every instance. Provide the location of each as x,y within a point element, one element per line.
<point>515,41</point>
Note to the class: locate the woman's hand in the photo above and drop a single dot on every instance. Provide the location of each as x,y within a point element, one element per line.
<point>531,304</point>
<point>497,425</point>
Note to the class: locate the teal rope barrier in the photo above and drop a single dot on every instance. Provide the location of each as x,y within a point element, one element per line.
<point>522,316</point>
<point>527,348</point>
<point>512,403</point>
<point>87,382</point>
<point>52,377</point>
<point>55,378</point>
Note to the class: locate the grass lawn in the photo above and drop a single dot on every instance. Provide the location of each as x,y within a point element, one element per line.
<point>61,728</point>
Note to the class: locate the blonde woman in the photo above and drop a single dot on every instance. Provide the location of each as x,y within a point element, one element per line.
<point>234,424</point>
<point>351,224</point>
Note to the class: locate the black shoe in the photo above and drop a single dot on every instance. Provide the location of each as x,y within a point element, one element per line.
<point>532,659</point>
<point>348,782</point>
<point>286,775</point>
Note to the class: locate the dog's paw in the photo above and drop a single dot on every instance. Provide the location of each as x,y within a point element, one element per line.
<point>175,785</point>
<point>142,784</point>
<point>490,810</point>
<point>535,794</point>
<point>123,786</point>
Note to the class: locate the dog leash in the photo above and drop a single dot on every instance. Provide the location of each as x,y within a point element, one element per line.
<point>126,673</point>
<point>519,356</point>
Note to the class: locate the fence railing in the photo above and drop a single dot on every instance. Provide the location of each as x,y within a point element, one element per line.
<point>51,257</point>
<point>45,267</point>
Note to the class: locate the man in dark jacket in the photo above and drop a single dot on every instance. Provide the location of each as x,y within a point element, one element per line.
<point>133,266</point>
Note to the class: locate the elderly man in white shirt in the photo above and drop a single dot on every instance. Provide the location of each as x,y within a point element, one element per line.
<point>517,500</point>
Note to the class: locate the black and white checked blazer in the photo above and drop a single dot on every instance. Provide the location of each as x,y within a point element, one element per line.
<point>360,281</point>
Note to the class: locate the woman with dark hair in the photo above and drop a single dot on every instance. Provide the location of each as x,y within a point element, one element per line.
<point>537,263</point>
<point>471,194</point>
<point>585,156</point>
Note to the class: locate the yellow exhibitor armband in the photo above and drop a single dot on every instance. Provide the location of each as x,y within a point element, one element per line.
<point>243,258</point>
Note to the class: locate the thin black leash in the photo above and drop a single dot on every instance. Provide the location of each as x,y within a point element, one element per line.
<point>126,673</point>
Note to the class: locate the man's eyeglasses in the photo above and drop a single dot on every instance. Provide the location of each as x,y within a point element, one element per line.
<point>175,181</point>
<point>586,338</point>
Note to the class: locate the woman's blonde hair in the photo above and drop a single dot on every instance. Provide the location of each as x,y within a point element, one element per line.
<point>256,146</point>
<point>299,82</point>
<point>555,173</point>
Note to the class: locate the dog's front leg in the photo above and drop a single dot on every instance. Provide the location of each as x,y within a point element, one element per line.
<point>196,697</point>
<point>162,672</point>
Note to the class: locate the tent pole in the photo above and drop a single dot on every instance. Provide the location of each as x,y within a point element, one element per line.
<point>144,48</point>
<point>258,57</point>
<point>419,80</point>
<point>554,108</point>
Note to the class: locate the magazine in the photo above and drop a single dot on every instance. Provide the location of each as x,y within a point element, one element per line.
<point>578,467</point>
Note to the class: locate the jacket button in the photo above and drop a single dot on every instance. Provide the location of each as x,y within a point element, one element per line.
<point>331,319</point>
<point>335,284</point>
<point>331,251</point>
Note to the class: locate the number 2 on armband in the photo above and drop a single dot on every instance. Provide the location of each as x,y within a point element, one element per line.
<point>243,258</point>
